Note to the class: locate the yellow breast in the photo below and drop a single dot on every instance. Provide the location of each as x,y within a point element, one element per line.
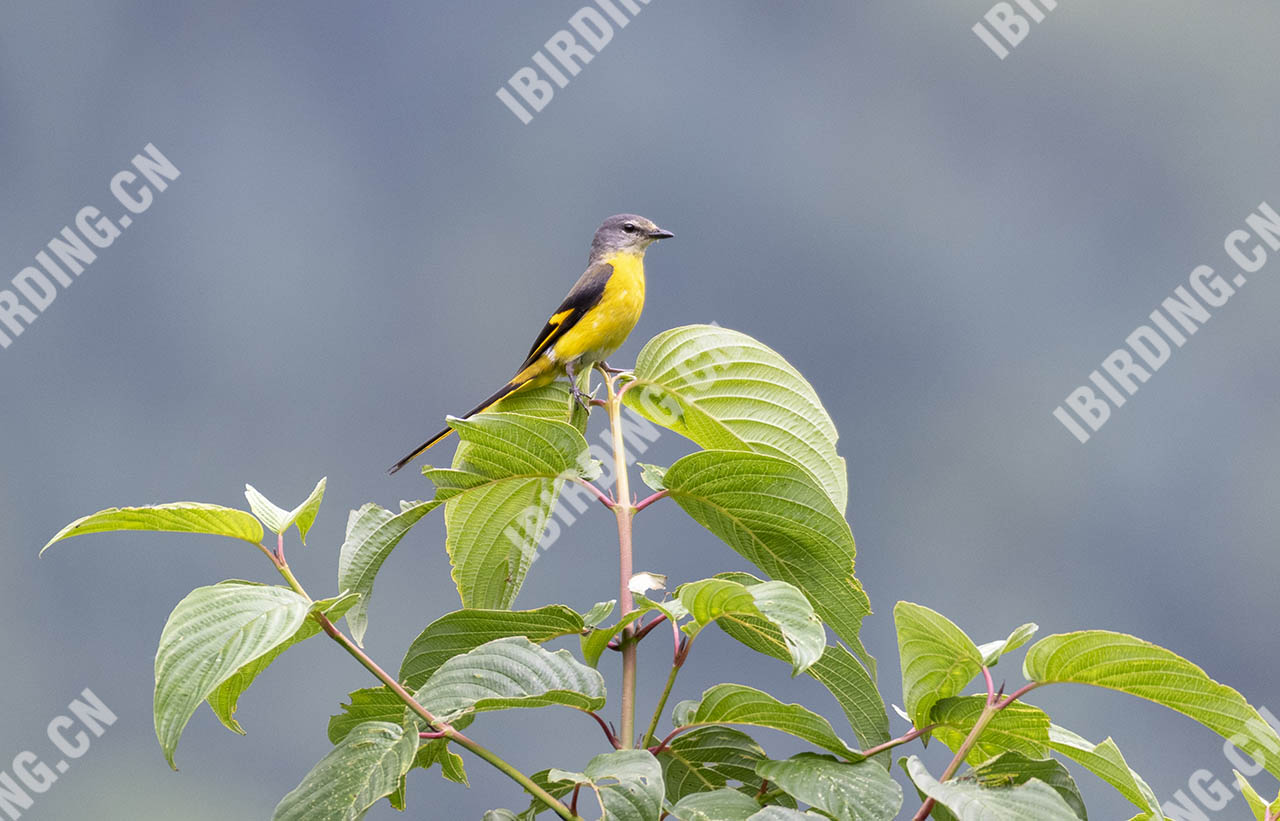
<point>606,326</point>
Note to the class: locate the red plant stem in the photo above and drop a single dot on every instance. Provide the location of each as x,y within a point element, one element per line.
<point>903,739</point>
<point>992,707</point>
<point>613,739</point>
<point>599,494</point>
<point>664,743</point>
<point>616,644</point>
<point>648,500</point>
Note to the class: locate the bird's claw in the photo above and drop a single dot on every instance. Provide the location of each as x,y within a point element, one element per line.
<point>583,400</point>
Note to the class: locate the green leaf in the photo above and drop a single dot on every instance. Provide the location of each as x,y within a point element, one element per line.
<point>780,603</point>
<point>599,611</point>
<point>738,704</point>
<point>993,650</point>
<point>367,765</point>
<point>368,704</point>
<point>381,704</point>
<point>1014,768</point>
<point>683,712</point>
<point>726,391</point>
<point>176,517</point>
<point>628,784</point>
<point>372,533</point>
<point>595,642</point>
<point>837,670</point>
<point>717,805</point>
<point>707,759</point>
<point>503,485</point>
<point>226,698</point>
<point>854,792</point>
<point>209,636</point>
<point>464,630</point>
<point>500,815</point>
<point>278,520</point>
<point>1105,761</point>
<point>552,402</point>
<point>1262,811</point>
<point>970,800</point>
<point>652,476</point>
<point>771,512</point>
<point>1019,727</point>
<point>1121,662</point>
<point>784,814</point>
<point>938,659</point>
<point>510,672</point>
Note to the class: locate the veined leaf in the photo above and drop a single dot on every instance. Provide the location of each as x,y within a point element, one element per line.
<point>780,603</point>
<point>510,672</point>
<point>372,533</point>
<point>210,635</point>
<point>1121,662</point>
<point>784,814</point>
<point>464,630</point>
<point>738,704</point>
<point>500,815</point>
<point>503,485</point>
<point>1013,768</point>
<point>279,520</point>
<point>628,784</point>
<point>716,805</point>
<point>837,670</point>
<point>993,650</point>
<point>1019,727</point>
<point>853,792</point>
<point>707,759</point>
<point>1262,811</point>
<point>380,704</point>
<point>938,659</point>
<point>726,391</point>
<point>176,517</point>
<point>368,704</point>
<point>226,698</point>
<point>969,800</point>
<point>773,513</point>
<point>367,765</point>
<point>1105,761</point>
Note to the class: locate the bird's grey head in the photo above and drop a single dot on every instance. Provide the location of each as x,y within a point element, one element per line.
<point>628,233</point>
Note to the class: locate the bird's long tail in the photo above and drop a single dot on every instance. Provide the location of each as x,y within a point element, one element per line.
<point>525,377</point>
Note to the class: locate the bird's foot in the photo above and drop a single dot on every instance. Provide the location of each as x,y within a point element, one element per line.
<point>607,368</point>
<point>583,399</point>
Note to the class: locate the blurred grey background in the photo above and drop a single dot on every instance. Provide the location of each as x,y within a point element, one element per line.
<point>364,238</point>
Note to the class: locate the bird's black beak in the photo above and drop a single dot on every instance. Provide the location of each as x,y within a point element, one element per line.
<point>659,233</point>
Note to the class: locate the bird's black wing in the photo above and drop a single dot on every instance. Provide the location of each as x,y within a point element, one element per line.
<point>584,296</point>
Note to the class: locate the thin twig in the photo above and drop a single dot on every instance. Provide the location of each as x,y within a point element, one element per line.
<point>902,739</point>
<point>604,498</point>
<point>666,742</point>
<point>608,733</point>
<point>648,500</point>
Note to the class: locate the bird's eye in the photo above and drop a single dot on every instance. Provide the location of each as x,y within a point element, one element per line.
<point>629,227</point>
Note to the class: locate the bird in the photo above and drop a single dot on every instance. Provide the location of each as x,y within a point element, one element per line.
<point>591,323</point>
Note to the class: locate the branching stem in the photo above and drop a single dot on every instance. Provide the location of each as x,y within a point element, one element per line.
<point>439,729</point>
<point>992,708</point>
